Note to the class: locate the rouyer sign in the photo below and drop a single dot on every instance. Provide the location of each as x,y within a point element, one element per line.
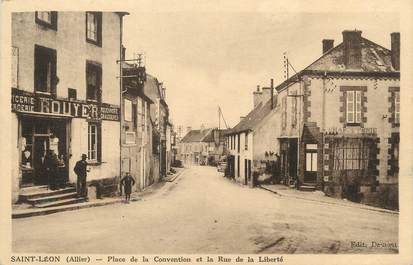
<point>26,102</point>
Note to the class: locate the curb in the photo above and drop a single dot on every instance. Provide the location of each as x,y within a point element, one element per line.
<point>332,203</point>
<point>24,214</point>
<point>175,177</point>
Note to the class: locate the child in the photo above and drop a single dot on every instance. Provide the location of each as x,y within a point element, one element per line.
<point>127,182</point>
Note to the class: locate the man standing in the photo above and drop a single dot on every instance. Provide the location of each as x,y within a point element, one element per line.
<point>81,172</point>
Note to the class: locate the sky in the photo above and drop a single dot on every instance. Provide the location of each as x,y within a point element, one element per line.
<point>211,59</point>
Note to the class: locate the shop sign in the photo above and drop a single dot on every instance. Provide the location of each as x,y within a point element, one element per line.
<point>22,101</point>
<point>351,131</point>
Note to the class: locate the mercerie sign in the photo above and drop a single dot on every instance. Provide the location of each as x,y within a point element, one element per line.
<point>26,102</point>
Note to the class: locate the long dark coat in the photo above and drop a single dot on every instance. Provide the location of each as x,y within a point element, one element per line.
<point>127,182</point>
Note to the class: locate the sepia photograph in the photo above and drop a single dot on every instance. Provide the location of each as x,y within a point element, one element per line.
<point>259,133</point>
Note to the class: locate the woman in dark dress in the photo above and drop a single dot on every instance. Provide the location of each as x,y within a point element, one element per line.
<point>127,182</point>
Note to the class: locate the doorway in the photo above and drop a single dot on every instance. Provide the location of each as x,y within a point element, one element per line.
<point>38,135</point>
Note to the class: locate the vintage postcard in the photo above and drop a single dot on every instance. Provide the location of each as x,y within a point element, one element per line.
<point>206,132</point>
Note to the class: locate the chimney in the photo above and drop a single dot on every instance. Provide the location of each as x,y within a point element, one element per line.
<point>241,118</point>
<point>266,94</point>
<point>352,49</point>
<point>395,50</point>
<point>188,129</point>
<point>327,45</point>
<point>257,96</point>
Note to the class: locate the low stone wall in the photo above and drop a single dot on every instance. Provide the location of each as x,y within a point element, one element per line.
<point>107,187</point>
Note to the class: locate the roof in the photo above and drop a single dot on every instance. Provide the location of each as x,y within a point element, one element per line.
<point>198,136</point>
<point>253,118</point>
<point>374,58</point>
<point>375,61</point>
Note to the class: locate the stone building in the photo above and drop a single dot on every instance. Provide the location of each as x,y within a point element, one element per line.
<point>65,94</point>
<point>336,122</point>
<point>136,137</point>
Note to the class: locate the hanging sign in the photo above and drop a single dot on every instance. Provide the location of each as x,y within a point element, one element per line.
<point>26,102</point>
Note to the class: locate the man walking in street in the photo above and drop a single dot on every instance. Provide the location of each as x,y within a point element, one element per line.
<point>81,172</point>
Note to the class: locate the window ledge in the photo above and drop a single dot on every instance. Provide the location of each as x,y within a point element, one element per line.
<point>94,163</point>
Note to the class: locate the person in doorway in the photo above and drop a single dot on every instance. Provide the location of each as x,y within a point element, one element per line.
<point>81,172</point>
<point>127,182</point>
<point>51,163</point>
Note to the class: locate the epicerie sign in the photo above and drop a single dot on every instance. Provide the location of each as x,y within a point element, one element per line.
<point>22,101</point>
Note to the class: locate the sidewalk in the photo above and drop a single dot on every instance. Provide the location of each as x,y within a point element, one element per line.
<point>24,210</point>
<point>319,196</point>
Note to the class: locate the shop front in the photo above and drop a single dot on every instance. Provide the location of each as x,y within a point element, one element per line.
<point>44,133</point>
<point>350,162</point>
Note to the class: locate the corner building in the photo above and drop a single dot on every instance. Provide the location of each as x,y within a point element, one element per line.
<point>65,94</point>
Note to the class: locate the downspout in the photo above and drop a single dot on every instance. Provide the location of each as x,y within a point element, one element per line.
<point>323,129</point>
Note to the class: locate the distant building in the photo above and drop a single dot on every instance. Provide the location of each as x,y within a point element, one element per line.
<point>201,147</point>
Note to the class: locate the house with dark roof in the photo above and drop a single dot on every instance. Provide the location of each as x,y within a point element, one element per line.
<point>336,122</point>
<point>201,147</point>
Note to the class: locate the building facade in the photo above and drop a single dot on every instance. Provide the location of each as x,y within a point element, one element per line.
<point>136,127</point>
<point>63,100</point>
<point>336,124</point>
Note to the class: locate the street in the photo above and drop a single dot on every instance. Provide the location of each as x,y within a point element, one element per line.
<point>203,212</point>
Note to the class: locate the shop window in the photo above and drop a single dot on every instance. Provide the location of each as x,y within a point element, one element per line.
<point>94,28</point>
<point>47,19</point>
<point>353,107</point>
<point>397,107</point>
<point>352,154</point>
<point>93,82</point>
<point>44,70</point>
<point>94,142</point>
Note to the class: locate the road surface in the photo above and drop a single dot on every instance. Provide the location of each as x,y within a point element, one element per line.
<point>203,212</point>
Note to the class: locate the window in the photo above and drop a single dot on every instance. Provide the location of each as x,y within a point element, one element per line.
<point>47,19</point>
<point>94,142</point>
<point>246,141</point>
<point>141,114</point>
<point>284,113</point>
<point>130,137</point>
<point>352,154</point>
<point>238,142</point>
<point>45,70</point>
<point>94,27</point>
<point>397,107</point>
<point>93,81</point>
<point>71,94</point>
<point>311,157</point>
<point>127,110</point>
<point>15,67</point>
<point>353,107</point>
<point>294,110</point>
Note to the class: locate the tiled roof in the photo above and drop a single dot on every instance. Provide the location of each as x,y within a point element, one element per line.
<point>253,118</point>
<point>374,58</point>
<point>198,136</point>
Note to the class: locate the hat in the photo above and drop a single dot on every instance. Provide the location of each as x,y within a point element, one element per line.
<point>84,156</point>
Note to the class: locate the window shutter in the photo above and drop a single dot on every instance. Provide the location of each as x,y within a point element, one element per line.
<point>350,107</point>
<point>358,107</point>
<point>99,143</point>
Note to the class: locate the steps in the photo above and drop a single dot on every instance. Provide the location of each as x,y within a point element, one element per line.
<point>307,187</point>
<point>42,197</point>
